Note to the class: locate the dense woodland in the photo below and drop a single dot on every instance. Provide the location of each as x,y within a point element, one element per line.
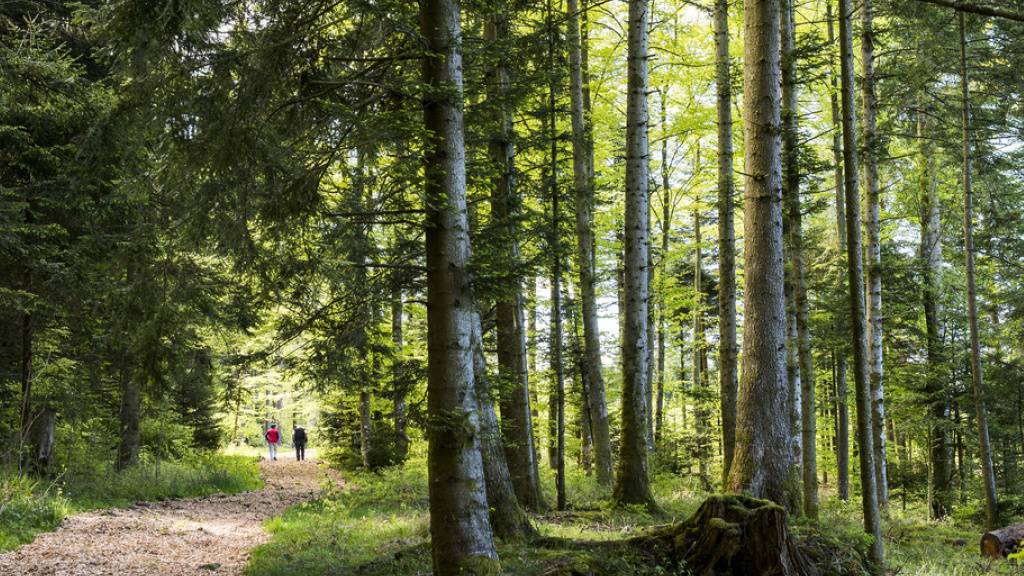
<point>769,247</point>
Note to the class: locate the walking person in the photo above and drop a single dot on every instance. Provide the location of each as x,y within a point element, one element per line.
<point>299,439</point>
<point>273,437</point>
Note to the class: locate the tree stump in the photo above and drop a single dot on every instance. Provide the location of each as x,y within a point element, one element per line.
<point>1002,542</point>
<point>729,535</point>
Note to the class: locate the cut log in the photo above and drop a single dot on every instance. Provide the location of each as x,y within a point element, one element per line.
<point>1002,542</point>
<point>731,535</point>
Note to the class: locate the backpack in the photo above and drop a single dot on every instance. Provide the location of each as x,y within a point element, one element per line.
<point>272,435</point>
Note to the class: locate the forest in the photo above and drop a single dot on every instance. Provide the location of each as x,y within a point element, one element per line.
<point>561,287</point>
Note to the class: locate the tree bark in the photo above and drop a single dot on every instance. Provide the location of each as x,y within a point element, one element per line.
<point>791,186</point>
<point>632,485</point>
<point>700,375</point>
<point>842,409</point>
<point>977,378</point>
<point>41,433</point>
<point>516,417</point>
<point>25,375</point>
<point>130,437</point>
<point>727,349</point>
<point>873,253</point>
<point>557,367</point>
<point>931,263</point>
<point>508,519</point>
<point>978,9</point>
<point>399,386</point>
<point>583,182</point>
<point>762,463</point>
<point>1002,542</point>
<point>460,528</point>
<point>666,230</point>
<point>797,260</point>
<point>855,290</point>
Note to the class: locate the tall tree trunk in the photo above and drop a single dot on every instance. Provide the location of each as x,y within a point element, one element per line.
<point>842,444</point>
<point>130,437</point>
<point>359,252</point>
<point>583,414</point>
<point>557,368</point>
<point>25,375</point>
<point>508,519</point>
<point>874,253</point>
<point>460,528</point>
<point>516,418</point>
<point>583,182</point>
<point>798,267</point>
<point>762,463</point>
<point>855,275</point>
<point>399,386</point>
<point>931,263</point>
<point>984,445</point>
<point>700,377</point>
<point>666,230</point>
<point>632,485</point>
<point>651,335</point>
<point>727,349</point>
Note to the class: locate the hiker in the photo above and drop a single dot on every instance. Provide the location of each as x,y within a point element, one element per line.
<point>273,437</point>
<point>299,439</point>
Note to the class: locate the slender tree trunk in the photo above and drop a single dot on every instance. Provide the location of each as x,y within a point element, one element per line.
<point>842,410</point>
<point>651,335</point>
<point>791,177</point>
<point>583,182</point>
<point>984,445</point>
<point>874,253</point>
<point>727,349</point>
<point>516,417</point>
<point>586,438</point>
<point>762,463</point>
<point>508,519</point>
<point>931,263</point>
<point>460,527</point>
<point>557,368</point>
<point>700,377</point>
<point>855,275</point>
<point>359,251</point>
<point>25,375</point>
<point>129,416</point>
<point>666,229</point>
<point>399,386</point>
<point>632,485</point>
<point>797,260</point>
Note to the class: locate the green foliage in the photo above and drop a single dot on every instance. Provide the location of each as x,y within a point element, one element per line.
<point>28,507</point>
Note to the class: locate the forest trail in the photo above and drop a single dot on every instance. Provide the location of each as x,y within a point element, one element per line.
<point>196,536</point>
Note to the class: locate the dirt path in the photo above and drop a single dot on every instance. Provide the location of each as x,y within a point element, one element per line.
<point>200,536</point>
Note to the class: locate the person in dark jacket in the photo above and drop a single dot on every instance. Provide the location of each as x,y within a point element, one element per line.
<point>299,439</point>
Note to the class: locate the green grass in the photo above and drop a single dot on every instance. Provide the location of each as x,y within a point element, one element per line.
<point>373,516</point>
<point>378,525</point>
<point>30,506</point>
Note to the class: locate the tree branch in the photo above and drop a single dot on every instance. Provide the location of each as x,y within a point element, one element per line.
<point>978,9</point>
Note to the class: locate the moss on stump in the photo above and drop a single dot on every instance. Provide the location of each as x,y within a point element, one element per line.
<point>729,534</point>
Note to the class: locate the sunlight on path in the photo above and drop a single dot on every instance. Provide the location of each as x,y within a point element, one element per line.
<point>201,536</point>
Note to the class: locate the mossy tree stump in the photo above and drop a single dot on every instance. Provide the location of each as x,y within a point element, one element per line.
<point>728,535</point>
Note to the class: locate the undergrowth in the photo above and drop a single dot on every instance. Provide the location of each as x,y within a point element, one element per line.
<point>378,525</point>
<point>29,506</point>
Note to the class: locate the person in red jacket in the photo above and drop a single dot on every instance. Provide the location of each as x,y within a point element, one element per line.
<point>273,437</point>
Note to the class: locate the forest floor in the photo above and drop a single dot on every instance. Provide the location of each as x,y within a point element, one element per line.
<point>195,536</point>
<point>377,524</point>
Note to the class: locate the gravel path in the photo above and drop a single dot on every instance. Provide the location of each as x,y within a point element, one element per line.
<point>199,536</point>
